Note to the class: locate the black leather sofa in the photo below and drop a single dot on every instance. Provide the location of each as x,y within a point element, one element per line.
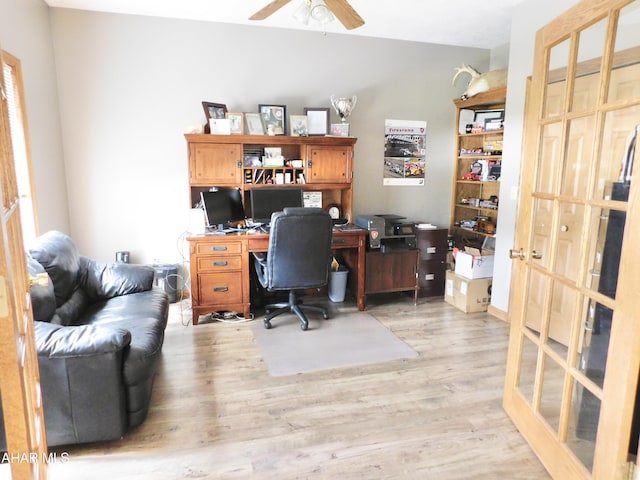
<point>99,332</point>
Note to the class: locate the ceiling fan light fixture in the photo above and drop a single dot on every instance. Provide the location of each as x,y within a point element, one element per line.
<point>303,12</point>
<point>315,10</point>
<point>320,12</point>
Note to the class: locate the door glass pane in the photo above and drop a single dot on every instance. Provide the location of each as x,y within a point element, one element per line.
<point>563,307</point>
<point>579,157</point>
<point>571,218</point>
<point>551,398</point>
<point>604,262</point>
<point>625,75</point>
<point>583,424</point>
<point>550,158</point>
<point>620,130</point>
<point>536,294</point>
<point>590,48</point>
<point>556,80</point>
<point>542,222</point>
<point>592,359</point>
<point>528,360</point>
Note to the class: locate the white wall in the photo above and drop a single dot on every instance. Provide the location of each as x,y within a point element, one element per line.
<point>529,17</point>
<point>26,34</point>
<point>129,85</point>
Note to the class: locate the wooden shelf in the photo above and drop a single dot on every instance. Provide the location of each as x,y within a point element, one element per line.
<point>479,142</point>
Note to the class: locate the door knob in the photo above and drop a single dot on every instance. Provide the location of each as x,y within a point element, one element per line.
<point>41,279</point>
<point>519,254</point>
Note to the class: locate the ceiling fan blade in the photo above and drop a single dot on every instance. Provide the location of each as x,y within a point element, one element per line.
<point>345,13</point>
<point>269,9</point>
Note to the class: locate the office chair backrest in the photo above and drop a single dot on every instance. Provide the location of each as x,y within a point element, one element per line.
<point>299,253</point>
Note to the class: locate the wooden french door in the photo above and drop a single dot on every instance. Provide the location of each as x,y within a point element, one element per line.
<point>574,349</point>
<point>19,377</point>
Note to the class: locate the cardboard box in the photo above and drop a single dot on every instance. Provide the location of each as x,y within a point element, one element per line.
<point>467,295</point>
<point>472,263</point>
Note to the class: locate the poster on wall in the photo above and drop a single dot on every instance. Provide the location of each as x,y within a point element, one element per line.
<point>405,144</point>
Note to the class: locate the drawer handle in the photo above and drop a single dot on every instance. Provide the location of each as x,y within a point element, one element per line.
<point>220,289</point>
<point>219,248</point>
<point>337,240</point>
<point>221,263</point>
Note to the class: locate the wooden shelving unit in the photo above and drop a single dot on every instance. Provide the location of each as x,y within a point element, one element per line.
<point>325,165</point>
<point>475,198</point>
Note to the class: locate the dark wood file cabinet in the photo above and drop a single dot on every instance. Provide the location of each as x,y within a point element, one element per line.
<point>432,262</point>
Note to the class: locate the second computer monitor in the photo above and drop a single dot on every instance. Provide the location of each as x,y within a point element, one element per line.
<point>265,201</point>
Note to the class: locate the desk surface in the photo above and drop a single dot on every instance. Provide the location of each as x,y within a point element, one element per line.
<point>207,271</point>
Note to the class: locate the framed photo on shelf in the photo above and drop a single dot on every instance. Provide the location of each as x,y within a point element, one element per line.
<point>317,120</point>
<point>482,117</point>
<point>236,121</point>
<point>254,124</point>
<point>214,110</point>
<point>298,125</point>
<point>273,118</point>
<point>340,129</point>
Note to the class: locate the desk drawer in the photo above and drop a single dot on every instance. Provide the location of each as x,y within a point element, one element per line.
<point>220,288</point>
<point>218,248</point>
<point>219,263</point>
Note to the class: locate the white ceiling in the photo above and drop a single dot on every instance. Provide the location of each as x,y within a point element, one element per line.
<point>468,23</point>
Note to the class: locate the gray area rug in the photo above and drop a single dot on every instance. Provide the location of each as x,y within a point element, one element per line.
<point>342,341</point>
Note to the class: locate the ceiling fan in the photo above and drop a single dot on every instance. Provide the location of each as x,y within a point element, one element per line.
<point>340,8</point>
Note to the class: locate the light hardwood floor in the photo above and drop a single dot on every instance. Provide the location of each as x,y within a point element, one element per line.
<point>216,413</point>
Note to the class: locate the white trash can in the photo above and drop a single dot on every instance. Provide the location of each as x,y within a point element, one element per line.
<point>338,284</point>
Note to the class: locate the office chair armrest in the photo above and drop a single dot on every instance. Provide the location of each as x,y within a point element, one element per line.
<point>260,261</point>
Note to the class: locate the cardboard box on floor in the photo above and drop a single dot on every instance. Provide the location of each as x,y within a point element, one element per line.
<point>467,295</point>
<point>474,263</point>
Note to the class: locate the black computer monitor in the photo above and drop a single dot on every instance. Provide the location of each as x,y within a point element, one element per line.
<point>265,201</point>
<point>222,206</point>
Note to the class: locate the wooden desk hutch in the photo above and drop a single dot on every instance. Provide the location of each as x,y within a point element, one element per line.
<point>219,265</point>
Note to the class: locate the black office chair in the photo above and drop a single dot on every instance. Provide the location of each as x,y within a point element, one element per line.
<point>299,258</point>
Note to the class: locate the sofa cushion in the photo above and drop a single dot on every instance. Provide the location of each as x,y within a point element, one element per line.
<point>144,314</point>
<point>107,280</point>
<point>58,254</point>
<point>43,299</point>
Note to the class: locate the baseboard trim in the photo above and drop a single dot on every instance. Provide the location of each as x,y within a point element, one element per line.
<point>500,314</point>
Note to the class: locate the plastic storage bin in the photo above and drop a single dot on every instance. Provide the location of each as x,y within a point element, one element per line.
<point>338,284</point>
<point>166,278</point>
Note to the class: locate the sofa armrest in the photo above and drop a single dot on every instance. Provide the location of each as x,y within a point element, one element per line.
<point>108,280</point>
<point>82,382</point>
<point>56,341</point>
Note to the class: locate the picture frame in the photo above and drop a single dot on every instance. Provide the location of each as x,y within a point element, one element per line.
<point>236,120</point>
<point>317,120</point>
<point>481,117</point>
<point>253,122</point>
<point>214,110</point>
<point>298,126</point>
<point>340,129</point>
<point>273,118</point>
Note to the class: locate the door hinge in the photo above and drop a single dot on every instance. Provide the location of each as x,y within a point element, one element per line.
<point>4,298</point>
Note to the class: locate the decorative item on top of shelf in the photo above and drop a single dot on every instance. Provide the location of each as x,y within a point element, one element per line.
<point>317,120</point>
<point>254,124</point>
<point>344,106</point>
<point>236,121</point>
<point>220,126</point>
<point>340,129</point>
<point>212,110</point>
<point>273,118</point>
<point>298,125</point>
<point>480,82</point>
